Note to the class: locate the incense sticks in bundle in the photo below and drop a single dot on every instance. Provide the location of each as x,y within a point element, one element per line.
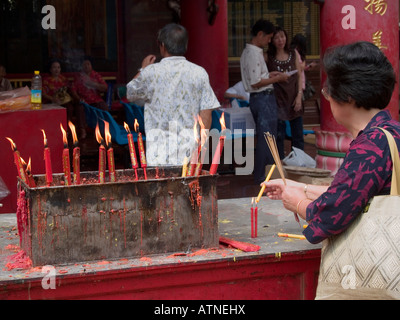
<point>270,139</point>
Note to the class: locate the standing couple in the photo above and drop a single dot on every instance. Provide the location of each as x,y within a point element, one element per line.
<point>275,93</point>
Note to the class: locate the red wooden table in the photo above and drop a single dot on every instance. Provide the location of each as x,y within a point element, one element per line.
<point>282,269</point>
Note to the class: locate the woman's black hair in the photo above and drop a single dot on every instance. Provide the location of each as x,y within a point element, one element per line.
<point>271,47</point>
<point>359,72</point>
<point>299,42</point>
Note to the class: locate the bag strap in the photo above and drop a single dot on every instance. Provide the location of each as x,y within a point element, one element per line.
<point>395,188</point>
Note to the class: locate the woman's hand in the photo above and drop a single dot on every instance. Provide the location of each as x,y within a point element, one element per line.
<point>297,104</point>
<point>290,194</point>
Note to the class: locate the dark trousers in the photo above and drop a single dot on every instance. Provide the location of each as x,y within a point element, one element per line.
<point>264,110</point>
<point>296,128</point>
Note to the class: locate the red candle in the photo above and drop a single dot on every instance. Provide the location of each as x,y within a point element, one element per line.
<point>102,156</point>
<point>203,149</point>
<point>111,164</point>
<point>196,151</point>
<point>194,161</point>
<point>76,155</point>
<point>255,221</point>
<point>132,150</point>
<point>47,161</point>
<point>220,147</point>
<point>31,181</point>
<point>142,154</point>
<point>217,155</point>
<point>65,158</point>
<point>18,162</point>
<point>252,217</point>
<point>110,153</point>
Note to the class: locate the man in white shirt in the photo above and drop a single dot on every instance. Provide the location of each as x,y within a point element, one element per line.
<point>175,92</point>
<point>258,81</point>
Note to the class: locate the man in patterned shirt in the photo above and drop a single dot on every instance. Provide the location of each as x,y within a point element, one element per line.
<point>175,92</point>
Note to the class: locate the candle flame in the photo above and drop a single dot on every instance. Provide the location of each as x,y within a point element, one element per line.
<point>195,134</point>
<point>222,121</point>
<point>23,162</point>
<point>98,134</point>
<point>29,166</point>
<point>13,145</point>
<point>107,133</point>
<point>64,133</point>
<point>74,136</point>
<point>127,127</point>
<point>203,132</point>
<point>44,138</point>
<point>136,125</point>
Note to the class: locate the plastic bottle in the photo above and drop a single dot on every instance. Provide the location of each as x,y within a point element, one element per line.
<point>36,91</point>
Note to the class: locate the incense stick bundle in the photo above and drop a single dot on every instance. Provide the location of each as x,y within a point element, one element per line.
<point>270,139</point>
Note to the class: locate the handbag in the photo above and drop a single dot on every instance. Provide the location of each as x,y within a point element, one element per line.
<point>363,262</point>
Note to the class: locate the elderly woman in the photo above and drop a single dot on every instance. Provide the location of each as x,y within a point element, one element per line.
<point>360,83</point>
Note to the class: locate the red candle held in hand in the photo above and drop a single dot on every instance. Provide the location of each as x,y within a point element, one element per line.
<point>220,147</point>
<point>76,155</point>
<point>18,162</point>
<point>110,153</point>
<point>102,156</point>
<point>132,150</point>
<point>142,154</point>
<point>47,161</point>
<point>65,158</point>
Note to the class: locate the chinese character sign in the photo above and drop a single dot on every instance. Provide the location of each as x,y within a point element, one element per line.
<point>345,21</point>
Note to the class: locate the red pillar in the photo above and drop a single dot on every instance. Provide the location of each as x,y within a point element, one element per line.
<point>344,22</point>
<point>208,43</point>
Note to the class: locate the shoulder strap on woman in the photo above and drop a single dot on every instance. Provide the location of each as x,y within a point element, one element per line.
<point>395,188</point>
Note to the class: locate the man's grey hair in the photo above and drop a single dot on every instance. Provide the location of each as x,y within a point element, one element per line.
<point>175,39</point>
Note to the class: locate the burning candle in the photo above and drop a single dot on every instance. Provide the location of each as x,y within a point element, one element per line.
<point>142,154</point>
<point>76,155</point>
<point>202,149</point>
<point>132,150</point>
<point>102,156</point>
<point>110,153</point>
<point>47,161</point>
<point>65,158</point>
<point>196,151</point>
<point>185,166</point>
<point>18,162</point>
<point>220,147</point>
<point>31,181</point>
